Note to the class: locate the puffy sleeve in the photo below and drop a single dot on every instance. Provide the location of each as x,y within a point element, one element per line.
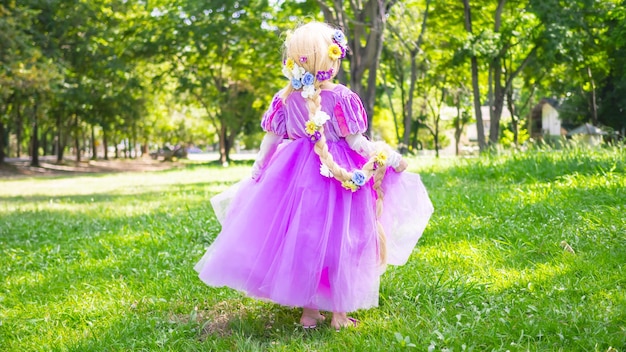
<point>274,118</point>
<point>350,115</point>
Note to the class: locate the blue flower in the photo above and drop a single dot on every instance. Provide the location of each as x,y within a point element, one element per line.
<point>339,38</point>
<point>358,177</point>
<point>308,79</point>
<point>296,83</point>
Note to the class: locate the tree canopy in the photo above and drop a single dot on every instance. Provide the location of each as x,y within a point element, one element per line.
<point>131,76</point>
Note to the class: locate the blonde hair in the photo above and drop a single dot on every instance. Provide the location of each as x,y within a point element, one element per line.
<point>311,41</point>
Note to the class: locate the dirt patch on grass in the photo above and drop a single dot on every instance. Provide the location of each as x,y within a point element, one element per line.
<point>50,168</point>
<point>213,320</point>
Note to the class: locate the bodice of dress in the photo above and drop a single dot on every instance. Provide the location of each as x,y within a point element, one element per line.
<point>288,118</point>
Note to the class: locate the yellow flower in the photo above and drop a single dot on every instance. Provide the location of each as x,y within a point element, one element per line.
<point>349,185</point>
<point>289,63</point>
<point>381,158</point>
<point>310,127</point>
<point>334,51</point>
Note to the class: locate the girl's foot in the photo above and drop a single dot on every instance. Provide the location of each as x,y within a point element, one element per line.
<point>342,320</point>
<point>310,318</point>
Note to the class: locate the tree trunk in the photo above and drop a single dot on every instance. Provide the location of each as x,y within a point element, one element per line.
<point>497,104</point>
<point>134,153</point>
<point>475,88</point>
<point>436,135</point>
<point>85,144</point>
<point>408,117</point>
<point>77,139</point>
<point>3,142</point>
<point>34,161</point>
<point>60,146</point>
<point>594,106</point>
<point>364,29</point>
<point>105,143</point>
<point>18,128</point>
<point>457,125</point>
<point>436,113</point>
<point>224,146</point>
<point>499,90</point>
<point>415,144</point>
<point>514,119</point>
<point>44,143</point>
<point>94,149</point>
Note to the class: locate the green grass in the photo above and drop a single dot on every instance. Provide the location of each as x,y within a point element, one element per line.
<point>105,262</point>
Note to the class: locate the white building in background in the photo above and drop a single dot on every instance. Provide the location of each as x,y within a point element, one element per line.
<point>588,133</point>
<point>545,122</point>
<point>550,122</point>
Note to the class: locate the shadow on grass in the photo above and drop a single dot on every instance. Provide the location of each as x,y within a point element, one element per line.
<point>218,164</point>
<point>207,188</point>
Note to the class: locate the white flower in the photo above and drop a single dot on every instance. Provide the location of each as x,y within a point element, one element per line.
<point>308,91</point>
<point>325,171</point>
<point>320,118</point>
<point>287,72</point>
<point>297,72</point>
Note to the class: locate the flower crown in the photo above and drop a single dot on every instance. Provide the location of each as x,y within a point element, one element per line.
<point>301,79</point>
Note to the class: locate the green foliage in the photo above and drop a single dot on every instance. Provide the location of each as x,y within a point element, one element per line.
<point>384,127</point>
<point>252,141</point>
<point>428,140</point>
<point>104,262</point>
<point>582,46</point>
<point>215,68</point>
<point>507,139</point>
<point>128,70</point>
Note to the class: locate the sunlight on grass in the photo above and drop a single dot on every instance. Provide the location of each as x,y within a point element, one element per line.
<point>105,262</point>
<point>122,183</point>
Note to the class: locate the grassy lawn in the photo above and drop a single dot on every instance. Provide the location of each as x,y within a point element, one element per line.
<point>105,262</point>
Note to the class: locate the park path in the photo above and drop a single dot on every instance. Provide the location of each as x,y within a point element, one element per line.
<point>20,167</point>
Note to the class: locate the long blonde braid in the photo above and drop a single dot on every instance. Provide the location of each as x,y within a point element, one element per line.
<point>371,169</point>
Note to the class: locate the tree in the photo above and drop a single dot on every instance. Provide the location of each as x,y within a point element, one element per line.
<point>16,51</point>
<point>475,86</point>
<point>577,44</point>
<point>26,74</point>
<point>460,101</point>
<point>364,23</point>
<point>612,110</point>
<point>406,46</point>
<point>516,42</point>
<point>215,68</point>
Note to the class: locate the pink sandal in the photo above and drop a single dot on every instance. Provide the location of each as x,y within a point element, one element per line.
<point>314,325</point>
<point>355,323</point>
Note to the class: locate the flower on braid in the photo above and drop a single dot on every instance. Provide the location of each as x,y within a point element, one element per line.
<point>334,51</point>
<point>324,75</point>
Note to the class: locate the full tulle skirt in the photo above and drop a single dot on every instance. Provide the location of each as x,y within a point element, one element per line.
<point>300,239</point>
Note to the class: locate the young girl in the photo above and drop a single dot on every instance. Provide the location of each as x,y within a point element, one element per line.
<point>321,216</point>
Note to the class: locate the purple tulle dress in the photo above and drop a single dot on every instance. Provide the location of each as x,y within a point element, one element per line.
<point>298,238</point>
